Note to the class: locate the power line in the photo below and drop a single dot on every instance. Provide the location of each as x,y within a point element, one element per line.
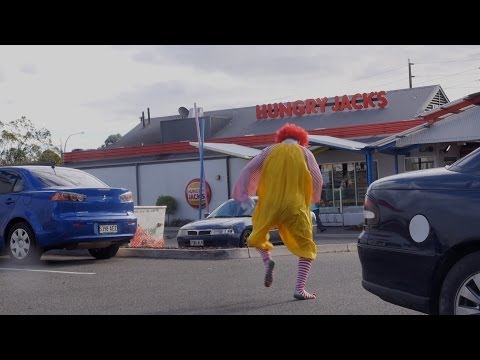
<point>444,62</point>
<point>380,73</point>
<point>463,83</point>
<point>352,81</point>
<point>392,82</point>
<point>441,77</point>
<point>447,75</point>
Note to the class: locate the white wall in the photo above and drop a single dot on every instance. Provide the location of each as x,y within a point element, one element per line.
<point>172,179</point>
<point>121,176</point>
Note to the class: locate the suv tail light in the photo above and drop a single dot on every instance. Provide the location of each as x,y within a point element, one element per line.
<point>68,196</point>
<point>371,210</point>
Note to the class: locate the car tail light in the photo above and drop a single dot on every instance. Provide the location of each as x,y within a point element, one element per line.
<point>68,196</point>
<point>126,197</point>
<point>371,210</point>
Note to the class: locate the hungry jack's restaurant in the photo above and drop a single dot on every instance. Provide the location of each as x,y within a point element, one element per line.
<point>356,139</point>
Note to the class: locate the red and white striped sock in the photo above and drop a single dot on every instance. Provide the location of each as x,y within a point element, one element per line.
<point>269,265</point>
<point>304,266</point>
<point>266,256</point>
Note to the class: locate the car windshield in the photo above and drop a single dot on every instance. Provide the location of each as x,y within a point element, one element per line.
<point>470,163</point>
<point>231,208</point>
<point>66,177</point>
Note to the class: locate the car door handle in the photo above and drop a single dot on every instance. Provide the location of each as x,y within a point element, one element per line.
<point>9,201</point>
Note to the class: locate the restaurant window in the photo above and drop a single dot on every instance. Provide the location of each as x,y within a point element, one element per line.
<point>419,163</point>
<point>344,184</point>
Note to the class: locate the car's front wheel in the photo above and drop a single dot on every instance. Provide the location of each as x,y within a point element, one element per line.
<point>104,253</point>
<point>244,237</point>
<point>460,293</point>
<point>22,246</point>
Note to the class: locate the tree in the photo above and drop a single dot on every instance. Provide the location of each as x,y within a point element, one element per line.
<point>50,156</point>
<point>170,203</point>
<point>111,139</point>
<point>21,142</point>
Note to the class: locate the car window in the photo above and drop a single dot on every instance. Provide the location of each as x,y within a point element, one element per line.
<point>7,181</point>
<point>469,164</point>
<point>231,208</point>
<point>49,176</point>
<point>19,184</point>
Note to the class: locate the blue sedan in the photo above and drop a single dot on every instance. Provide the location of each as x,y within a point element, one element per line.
<point>48,207</point>
<point>229,225</point>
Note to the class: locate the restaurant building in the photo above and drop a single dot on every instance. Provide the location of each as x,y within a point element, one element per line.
<point>356,139</point>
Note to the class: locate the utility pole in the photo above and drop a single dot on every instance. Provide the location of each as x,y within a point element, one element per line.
<point>410,76</point>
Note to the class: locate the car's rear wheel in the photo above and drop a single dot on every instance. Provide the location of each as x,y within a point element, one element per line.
<point>104,253</point>
<point>460,293</point>
<point>244,237</point>
<point>22,246</point>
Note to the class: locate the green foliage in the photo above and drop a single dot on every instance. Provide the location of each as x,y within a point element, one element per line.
<point>21,142</point>
<point>50,156</point>
<point>170,203</point>
<point>111,139</point>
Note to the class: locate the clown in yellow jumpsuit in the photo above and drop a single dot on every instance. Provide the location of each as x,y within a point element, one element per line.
<point>287,179</point>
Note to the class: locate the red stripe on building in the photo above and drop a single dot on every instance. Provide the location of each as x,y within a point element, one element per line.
<point>253,141</point>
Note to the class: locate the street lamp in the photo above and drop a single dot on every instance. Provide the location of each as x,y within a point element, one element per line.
<point>65,145</point>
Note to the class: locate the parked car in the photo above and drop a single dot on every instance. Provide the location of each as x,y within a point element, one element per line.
<point>420,247</point>
<point>227,226</point>
<point>49,207</point>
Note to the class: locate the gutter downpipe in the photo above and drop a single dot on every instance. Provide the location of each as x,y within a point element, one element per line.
<point>228,177</point>
<point>137,187</point>
<point>369,161</point>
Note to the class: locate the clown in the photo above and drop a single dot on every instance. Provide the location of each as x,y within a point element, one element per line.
<point>287,179</point>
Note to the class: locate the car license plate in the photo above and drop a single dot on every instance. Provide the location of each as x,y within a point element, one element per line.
<point>196,242</point>
<point>107,229</point>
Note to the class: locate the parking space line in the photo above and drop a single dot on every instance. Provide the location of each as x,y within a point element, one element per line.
<point>49,271</point>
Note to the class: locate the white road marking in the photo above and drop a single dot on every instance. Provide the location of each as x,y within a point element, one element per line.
<point>50,271</point>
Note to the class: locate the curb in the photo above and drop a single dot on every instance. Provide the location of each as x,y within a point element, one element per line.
<point>222,254</point>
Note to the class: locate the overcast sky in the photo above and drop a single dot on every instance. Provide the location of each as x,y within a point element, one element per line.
<point>102,90</point>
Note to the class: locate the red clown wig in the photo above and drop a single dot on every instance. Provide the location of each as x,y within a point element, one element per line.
<point>292,131</point>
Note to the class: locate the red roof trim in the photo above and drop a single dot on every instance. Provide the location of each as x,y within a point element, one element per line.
<point>254,140</point>
<point>268,139</point>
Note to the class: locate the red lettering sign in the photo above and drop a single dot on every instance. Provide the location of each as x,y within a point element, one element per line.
<point>314,106</point>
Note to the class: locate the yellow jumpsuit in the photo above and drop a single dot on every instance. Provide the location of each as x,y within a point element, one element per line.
<point>284,196</point>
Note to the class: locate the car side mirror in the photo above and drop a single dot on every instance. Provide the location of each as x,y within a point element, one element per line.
<point>206,215</point>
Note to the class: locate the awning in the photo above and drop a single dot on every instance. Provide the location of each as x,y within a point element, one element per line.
<point>336,143</point>
<point>240,151</point>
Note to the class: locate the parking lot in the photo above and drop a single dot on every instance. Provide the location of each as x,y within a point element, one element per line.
<point>62,284</point>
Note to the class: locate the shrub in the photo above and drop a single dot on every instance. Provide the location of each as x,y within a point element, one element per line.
<point>170,203</point>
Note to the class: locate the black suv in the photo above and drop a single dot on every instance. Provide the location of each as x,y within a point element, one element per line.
<point>420,247</point>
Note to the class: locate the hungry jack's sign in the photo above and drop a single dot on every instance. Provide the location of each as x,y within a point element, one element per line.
<point>314,106</point>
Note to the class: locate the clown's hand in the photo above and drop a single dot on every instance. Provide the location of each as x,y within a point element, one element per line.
<point>247,204</point>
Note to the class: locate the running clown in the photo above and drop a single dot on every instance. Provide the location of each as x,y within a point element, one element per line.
<point>287,179</point>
